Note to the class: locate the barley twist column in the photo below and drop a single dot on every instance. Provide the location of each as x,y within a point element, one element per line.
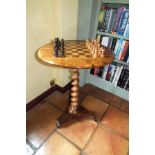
<point>74,92</point>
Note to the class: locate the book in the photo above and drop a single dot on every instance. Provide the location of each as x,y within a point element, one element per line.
<point>108,73</point>
<point>92,71</point>
<point>127,55</point>
<point>113,70</point>
<point>125,77</point>
<point>121,76</point>
<point>127,85</point>
<point>96,71</point>
<point>101,18</point>
<point>118,47</point>
<point>109,21</point>
<point>100,72</point>
<point>126,32</point>
<point>105,71</point>
<point>123,22</point>
<point>113,44</point>
<point>121,51</point>
<point>106,17</point>
<point>118,15</point>
<point>119,70</point>
<point>105,41</point>
<point>112,21</point>
<point>123,54</point>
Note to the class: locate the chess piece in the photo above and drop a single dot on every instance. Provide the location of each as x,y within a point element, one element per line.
<point>102,52</point>
<point>55,48</point>
<point>62,47</point>
<point>95,54</point>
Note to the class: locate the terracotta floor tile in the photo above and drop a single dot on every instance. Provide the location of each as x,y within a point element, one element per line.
<point>79,132</point>
<point>97,106</point>
<point>29,150</point>
<point>59,99</point>
<point>107,97</point>
<point>58,145</point>
<point>125,106</point>
<point>40,122</point>
<point>87,88</point>
<point>117,120</point>
<point>104,142</point>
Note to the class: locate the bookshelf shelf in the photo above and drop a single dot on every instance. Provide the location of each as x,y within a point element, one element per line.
<point>116,1</point>
<point>121,62</point>
<point>108,86</point>
<point>112,35</point>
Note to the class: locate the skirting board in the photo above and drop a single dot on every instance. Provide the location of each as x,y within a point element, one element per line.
<point>42,96</point>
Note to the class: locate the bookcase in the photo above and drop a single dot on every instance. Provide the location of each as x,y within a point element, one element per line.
<point>99,81</point>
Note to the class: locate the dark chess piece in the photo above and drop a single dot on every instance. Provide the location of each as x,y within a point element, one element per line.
<point>62,47</point>
<point>56,47</point>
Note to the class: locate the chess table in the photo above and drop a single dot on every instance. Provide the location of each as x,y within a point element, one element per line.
<point>77,56</point>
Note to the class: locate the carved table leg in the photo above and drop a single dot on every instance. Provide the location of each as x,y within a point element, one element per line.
<point>73,109</point>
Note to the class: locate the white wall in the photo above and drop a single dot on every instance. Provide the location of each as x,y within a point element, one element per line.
<point>46,20</point>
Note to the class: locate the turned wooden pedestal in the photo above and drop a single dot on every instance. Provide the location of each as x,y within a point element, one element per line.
<point>77,56</point>
<point>74,109</point>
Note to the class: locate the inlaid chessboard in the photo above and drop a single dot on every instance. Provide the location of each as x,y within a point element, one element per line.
<point>76,49</point>
<point>77,55</point>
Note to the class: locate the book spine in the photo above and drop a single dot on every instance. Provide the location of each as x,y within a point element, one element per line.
<point>105,41</point>
<point>123,22</point>
<point>126,56</point>
<point>126,32</point>
<point>105,72</point>
<point>118,75</point>
<point>113,44</point>
<point>113,70</point>
<point>92,71</point>
<point>105,22</point>
<point>117,69</point>
<point>101,18</point>
<point>121,76</point>
<point>121,51</point>
<point>96,71</point>
<point>111,12</point>
<point>100,72</point>
<point>108,73</point>
<point>118,49</point>
<point>119,11</point>
<point>125,77</point>
<point>126,46</point>
<point>112,22</point>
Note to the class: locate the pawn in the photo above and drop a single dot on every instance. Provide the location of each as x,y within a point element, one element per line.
<point>102,53</point>
<point>95,54</point>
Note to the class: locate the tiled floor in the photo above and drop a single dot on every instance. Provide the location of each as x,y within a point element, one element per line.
<point>109,136</point>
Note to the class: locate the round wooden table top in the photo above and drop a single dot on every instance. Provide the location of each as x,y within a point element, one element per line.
<point>77,55</point>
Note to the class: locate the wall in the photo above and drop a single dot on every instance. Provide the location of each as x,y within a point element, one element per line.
<point>46,20</point>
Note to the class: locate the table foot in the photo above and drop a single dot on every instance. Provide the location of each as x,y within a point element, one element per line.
<point>81,113</point>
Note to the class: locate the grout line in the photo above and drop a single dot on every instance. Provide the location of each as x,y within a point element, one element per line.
<point>68,140</point>
<point>91,137</point>
<point>109,103</point>
<point>31,145</point>
<point>45,141</point>
<point>113,131</point>
<point>104,113</point>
